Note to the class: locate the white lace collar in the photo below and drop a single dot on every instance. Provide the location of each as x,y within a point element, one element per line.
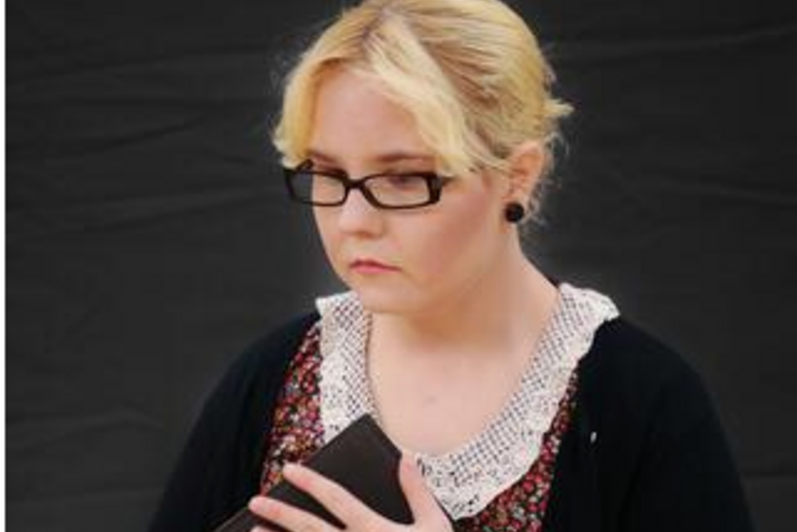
<point>468,478</point>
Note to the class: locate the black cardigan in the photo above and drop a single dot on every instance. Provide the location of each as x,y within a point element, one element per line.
<point>645,451</point>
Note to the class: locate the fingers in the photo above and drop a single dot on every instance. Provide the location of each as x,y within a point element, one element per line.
<point>287,516</point>
<point>340,502</point>
<point>424,506</point>
<point>353,513</point>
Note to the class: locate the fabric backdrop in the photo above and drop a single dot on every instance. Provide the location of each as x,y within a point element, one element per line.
<point>150,239</point>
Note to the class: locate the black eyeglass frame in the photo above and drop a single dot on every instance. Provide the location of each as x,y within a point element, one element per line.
<point>434,184</point>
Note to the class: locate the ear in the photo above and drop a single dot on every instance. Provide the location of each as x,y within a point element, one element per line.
<point>525,169</point>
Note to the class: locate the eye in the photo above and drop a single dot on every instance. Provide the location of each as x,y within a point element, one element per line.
<point>403,180</point>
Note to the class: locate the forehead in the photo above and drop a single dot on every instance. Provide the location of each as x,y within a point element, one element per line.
<point>354,118</point>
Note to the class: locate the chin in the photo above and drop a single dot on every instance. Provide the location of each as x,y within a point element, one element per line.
<point>379,301</point>
<point>385,299</point>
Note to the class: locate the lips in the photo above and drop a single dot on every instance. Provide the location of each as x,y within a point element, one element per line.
<point>370,264</point>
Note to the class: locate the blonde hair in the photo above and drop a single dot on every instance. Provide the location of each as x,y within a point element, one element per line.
<point>470,72</point>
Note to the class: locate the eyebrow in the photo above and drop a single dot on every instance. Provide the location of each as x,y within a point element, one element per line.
<point>387,157</point>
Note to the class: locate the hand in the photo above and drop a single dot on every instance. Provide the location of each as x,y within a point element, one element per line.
<point>353,513</point>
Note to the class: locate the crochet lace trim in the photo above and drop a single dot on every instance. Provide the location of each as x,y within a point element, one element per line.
<point>466,479</point>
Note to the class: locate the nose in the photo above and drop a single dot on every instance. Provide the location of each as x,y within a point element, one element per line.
<point>357,215</point>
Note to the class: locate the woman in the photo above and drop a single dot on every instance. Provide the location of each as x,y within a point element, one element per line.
<point>421,133</point>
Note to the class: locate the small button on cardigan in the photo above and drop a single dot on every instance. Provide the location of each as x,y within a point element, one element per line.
<point>644,452</point>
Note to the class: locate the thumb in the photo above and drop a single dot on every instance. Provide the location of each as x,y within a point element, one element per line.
<point>424,506</point>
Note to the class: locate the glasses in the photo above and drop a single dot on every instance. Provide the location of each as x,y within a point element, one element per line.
<point>404,190</point>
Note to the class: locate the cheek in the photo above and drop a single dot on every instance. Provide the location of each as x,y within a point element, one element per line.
<point>330,240</point>
<point>451,244</point>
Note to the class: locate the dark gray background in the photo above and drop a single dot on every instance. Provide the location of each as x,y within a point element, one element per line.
<point>149,237</point>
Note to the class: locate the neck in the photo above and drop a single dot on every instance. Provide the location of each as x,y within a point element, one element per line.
<point>506,308</point>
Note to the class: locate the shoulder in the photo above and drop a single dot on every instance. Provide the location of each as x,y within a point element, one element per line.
<point>631,375</point>
<point>219,467</point>
<point>282,338</point>
<point>623,351</point>
<point>258,369</point>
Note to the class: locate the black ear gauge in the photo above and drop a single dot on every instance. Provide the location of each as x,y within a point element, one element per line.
<point>514,212</point>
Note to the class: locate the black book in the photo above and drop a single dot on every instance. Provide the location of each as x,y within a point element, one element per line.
<point>363,460</point>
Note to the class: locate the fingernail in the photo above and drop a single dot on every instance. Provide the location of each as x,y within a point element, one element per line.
<point>261,503</point>
<point>253,501</point>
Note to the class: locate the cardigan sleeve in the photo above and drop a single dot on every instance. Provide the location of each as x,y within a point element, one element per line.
<point>686,480</point>
<point>196,491</point>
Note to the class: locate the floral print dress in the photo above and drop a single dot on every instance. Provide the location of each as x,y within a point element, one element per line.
<point>498,481</point>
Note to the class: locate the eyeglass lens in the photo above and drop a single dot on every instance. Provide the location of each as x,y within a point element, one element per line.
<point>388,190</point>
